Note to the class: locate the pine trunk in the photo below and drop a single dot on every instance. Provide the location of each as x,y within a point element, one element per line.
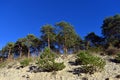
<point>9,54</point>
<point>20,49</point>
<point>65,49</point>
<point>87,45</point>
<point>48,43</point>
<point>28,53</point>
<point>20,54</point>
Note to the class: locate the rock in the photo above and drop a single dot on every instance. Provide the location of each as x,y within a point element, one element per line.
<point>102,54</point>
<point>118,76</point>
<point>33,69</point>
<point>19,67</point>
<point>84,78</point>
<point>114,69</point>
<point>23,76</point>
<point>9,66</point>
<point>107,79</point>
<point>27,76</point>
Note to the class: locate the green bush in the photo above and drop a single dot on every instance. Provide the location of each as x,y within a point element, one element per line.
<point>26,62</point>
<point>3,64</point>
<point>87,69</point>
<point>95,49</point>
<point>89,60</point>
<point>112,51</point>
<point>46,62</point>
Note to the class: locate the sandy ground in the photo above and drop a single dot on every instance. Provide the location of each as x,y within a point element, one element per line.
<point>110,71</point>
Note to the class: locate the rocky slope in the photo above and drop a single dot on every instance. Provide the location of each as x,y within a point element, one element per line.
<point>111,72</point>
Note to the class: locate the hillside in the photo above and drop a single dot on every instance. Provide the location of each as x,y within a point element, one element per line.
<point>11,71</point>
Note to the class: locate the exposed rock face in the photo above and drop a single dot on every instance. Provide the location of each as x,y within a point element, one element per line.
<point>111,72</point>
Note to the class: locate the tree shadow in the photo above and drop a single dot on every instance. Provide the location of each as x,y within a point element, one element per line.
<point>114,60</point>
<point>75,63</point>
<point>72,63</point>
<point>34,69</point>
<point>80,70</point>
<point>83,70</point>
<point>76,71</point>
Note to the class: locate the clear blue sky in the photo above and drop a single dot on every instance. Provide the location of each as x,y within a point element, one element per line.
<point>21,17</point>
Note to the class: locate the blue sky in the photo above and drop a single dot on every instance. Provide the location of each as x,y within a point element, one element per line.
<point>21,17</point>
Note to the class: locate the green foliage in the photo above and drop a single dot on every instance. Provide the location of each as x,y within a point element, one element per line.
<point>23,45</point>
<point>3,64</point>
<point>88,69</point>
<point>26,62</point>
<point>95,49</point>
<point>112,51</point>
<point>94,39</point>
<point>47,61</point>
<point>9,47</point>
<point>30,38</point>
<point>111,30</point>
<point>67,36</point>
<point>48,34</point>
<point>90,60</point>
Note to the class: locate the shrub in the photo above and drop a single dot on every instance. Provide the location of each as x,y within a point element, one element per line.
<point>3,64</point>
<point>26,62</point>
<point>47,62</point>
<point>88,69</point>
<point>89,61</point>
<point>112,51</point>
<point>95,49</point>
